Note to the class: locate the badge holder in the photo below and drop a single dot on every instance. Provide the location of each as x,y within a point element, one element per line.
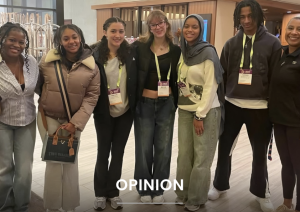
<point>245,75</point>
<point>114,95</point>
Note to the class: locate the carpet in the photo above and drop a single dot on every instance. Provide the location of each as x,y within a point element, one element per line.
<point>36,203</point>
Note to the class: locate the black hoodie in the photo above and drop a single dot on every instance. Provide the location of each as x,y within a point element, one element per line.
<point>266,53</point>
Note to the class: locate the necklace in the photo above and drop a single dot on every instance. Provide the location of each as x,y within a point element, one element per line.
<point>19,72</point>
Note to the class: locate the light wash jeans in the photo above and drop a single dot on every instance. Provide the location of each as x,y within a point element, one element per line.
<point>195,155</point>
<point>61,188</point>
<point>16,157</point>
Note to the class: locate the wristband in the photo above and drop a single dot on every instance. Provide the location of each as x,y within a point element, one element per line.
<point>198,118</point>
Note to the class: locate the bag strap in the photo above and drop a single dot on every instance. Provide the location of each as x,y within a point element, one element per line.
<point>63,89</point>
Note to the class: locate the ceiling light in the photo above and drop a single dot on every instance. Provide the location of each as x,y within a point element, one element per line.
<point>288,11</point>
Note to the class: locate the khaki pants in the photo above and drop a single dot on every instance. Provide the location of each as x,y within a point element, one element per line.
<point>61,189</point>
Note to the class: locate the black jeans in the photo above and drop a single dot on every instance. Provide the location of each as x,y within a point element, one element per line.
<point>259,130</point>
<point>112,137</point>
<point>288,146</point>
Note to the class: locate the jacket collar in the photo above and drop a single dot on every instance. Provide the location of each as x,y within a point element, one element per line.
<point>294,54</point>
<point>52,56</point>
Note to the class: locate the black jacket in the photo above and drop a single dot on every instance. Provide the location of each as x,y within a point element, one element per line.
<point>284,104</point>
<point>144,55</point>
<point>102,106</point>
<point>266,53</point>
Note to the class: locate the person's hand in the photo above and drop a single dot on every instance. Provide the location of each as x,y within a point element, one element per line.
<point>198,125</point>
<point>69,127</point>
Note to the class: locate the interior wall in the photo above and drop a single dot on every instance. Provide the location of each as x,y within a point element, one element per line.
<point>205,7</point>
<point>224,23</point>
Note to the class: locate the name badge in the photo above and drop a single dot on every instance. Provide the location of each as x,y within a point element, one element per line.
<point>114,96</point>
<point>245,77</point>
<point>185,91</point>
<point>163,88</point>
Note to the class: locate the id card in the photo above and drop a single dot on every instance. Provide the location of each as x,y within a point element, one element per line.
<point>185,91</point>
<point>163,88</point>
<point>114,96</point>
<point>245,77</point>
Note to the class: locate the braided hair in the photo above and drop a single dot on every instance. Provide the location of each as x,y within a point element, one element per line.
<point>257,13</point>
<point>122,52</point>
<point>4,32</point>
<point>61,50</point>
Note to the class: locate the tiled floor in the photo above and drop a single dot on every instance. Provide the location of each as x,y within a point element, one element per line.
<point>237,199</point>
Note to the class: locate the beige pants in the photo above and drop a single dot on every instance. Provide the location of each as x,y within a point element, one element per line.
<point>61,189</point>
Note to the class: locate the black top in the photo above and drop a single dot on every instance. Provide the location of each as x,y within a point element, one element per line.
<point>164,66</point>
<point>284,104</point>
<point>266,53</point>
<point>23,87</point>
<point>143,53</point>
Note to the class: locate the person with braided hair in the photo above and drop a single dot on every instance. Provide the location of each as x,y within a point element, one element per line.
<point>113,119</point>
<point>248,59</point>
<point>18,78</point>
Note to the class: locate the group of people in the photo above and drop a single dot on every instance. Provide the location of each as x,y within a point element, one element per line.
<point>253,83</point>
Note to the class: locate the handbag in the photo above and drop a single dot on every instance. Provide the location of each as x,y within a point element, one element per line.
<point>58,148</point>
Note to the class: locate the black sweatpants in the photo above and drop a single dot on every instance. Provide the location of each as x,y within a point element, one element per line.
<point>288,145</point>
<point>259,130</point>
<point>112,137</point>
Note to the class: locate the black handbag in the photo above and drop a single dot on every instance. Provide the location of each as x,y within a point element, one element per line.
<point>58,148</point>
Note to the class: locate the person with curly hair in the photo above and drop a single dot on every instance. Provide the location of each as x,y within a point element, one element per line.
<point>18,78</point>
<point>81,74</point>
<point>114,112</point>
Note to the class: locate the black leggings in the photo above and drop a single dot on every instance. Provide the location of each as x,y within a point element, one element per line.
<point>288,145</point>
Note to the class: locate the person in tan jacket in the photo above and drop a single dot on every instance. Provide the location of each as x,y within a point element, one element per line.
<point>82,78</point>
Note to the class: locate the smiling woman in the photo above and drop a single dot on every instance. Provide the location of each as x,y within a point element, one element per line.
<point>81,75</point>
<point>18,77</point>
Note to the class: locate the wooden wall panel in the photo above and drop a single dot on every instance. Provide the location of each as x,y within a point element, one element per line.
<point>206,7</point>
<point>285,20</point>
<point>102,15</point>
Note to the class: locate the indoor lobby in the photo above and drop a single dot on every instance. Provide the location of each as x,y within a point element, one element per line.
<point>90,15</point>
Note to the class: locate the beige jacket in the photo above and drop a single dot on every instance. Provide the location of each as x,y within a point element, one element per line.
<point>83,86</point>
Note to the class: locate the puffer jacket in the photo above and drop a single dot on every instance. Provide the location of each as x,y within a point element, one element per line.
<point>82,83</point>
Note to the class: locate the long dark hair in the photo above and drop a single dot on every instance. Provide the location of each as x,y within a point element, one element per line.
<point>122,52</point>
<point>6,29</point>
<point>257,13</point>
<point>61,50</point>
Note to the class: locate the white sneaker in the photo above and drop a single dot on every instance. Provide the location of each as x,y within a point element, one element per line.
<point>100,203</point>
<point>179,201</point>
<point>284,208</point>
<point>214,193</point>
<point>146,199</point>
<point>158,199</point>
<point>191,207</point>
<point>116,203</point>
<point>265,203</point>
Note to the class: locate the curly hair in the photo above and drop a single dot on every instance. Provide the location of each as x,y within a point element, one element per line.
<point>257,13</point>
<point>160,15</point>
<point>61,50</point>
<point>122,52</point>
<point>6,29</point>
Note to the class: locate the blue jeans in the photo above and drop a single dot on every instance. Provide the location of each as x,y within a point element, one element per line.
<point>153,127</point>
<point>16,157</point>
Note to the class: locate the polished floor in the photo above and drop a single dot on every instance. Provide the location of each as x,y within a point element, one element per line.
<point>237,199</point>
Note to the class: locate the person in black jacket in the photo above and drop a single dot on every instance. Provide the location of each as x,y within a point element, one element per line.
<point>157,96</point>
<point>113,114</point>
<point>248,60</point>
<point>284,107</point>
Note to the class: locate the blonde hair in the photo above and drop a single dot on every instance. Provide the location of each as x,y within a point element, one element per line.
<point>161,15</point>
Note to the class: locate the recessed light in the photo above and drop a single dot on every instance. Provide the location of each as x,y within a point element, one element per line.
<point>265,10</point>
<point>288,11</point>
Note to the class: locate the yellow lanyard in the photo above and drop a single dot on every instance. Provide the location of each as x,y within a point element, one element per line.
<point>120,73</point>
<point>179,70</point>
<point>251,52</point>
<point>158,69</point>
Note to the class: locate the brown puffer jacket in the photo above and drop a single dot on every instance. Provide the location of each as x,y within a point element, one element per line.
<point>83,86</point>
